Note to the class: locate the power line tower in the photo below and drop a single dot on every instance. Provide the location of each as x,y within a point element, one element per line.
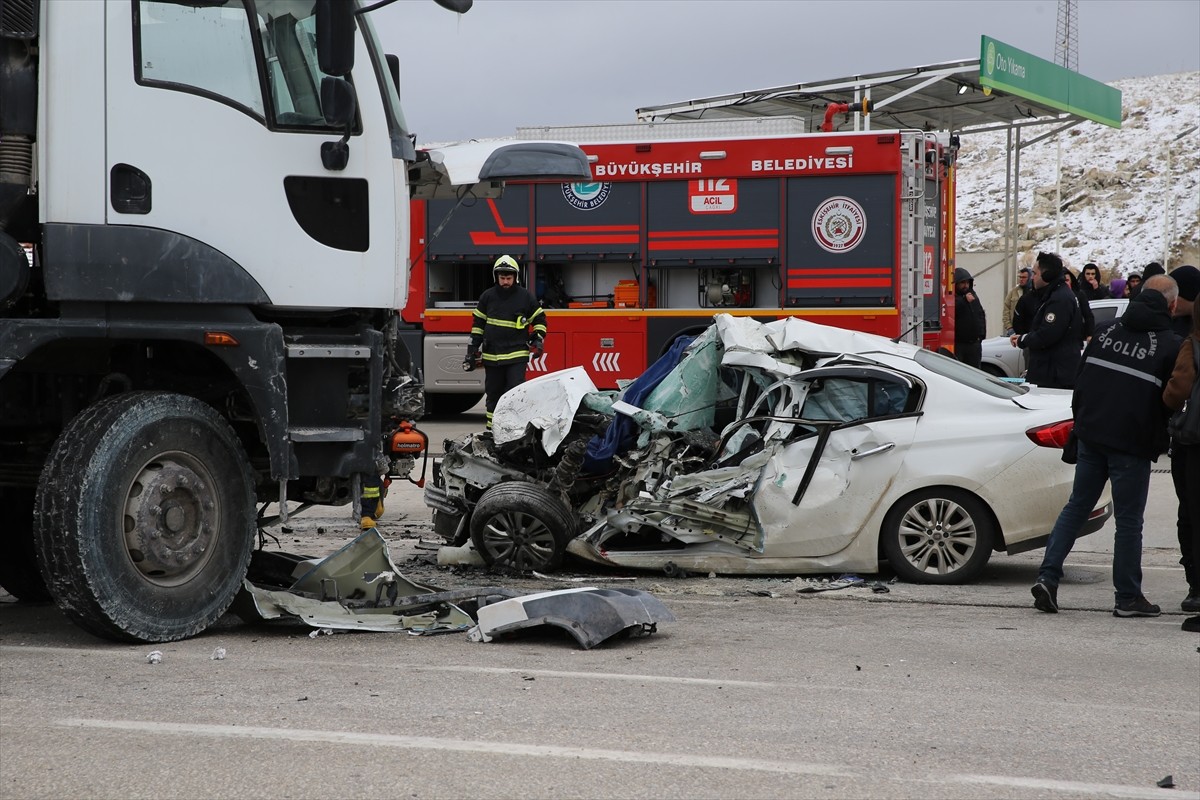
<point>1066,46</point>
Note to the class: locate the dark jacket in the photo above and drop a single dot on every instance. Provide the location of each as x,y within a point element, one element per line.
<point>1118,400</point>
<point>1101,292</point>
<point>1085,310</point>
<point>1026,307</point>
<point>970,321</point>
<point>501,324</point>
<point>1055,337</point>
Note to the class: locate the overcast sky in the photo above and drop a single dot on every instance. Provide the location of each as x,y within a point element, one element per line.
<point>510,63</point>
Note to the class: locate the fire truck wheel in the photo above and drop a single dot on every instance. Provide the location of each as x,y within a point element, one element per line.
<point>146,517</point>
<point>450,405</point>
<point>19,573</point>
<point>942,535</point>
<point>521,526</point>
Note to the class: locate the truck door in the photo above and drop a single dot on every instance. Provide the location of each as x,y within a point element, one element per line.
<point>214,131</point>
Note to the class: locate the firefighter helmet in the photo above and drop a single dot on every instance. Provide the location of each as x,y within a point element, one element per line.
<point>505,264</point>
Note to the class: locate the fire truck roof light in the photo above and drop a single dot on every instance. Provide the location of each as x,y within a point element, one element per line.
<point>710,155</point>
<point>839,151</point>
<point>592,159</point>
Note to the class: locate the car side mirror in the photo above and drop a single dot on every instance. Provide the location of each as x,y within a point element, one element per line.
<point>339,106</point>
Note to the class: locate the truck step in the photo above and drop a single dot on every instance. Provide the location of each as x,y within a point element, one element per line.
<point>322,434</point>
<point>328,351</point>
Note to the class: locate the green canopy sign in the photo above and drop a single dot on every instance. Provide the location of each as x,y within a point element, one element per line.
<point>1015,72</point>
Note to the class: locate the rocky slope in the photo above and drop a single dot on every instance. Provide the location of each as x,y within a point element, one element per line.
<point>1126,194</point>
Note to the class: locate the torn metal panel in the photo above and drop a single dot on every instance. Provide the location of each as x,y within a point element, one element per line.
<point>589,614</point>
<point>547,403</point>
<point>357,588</point>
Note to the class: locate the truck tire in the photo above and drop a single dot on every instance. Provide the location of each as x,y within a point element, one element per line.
<point>19,574</point>
<point>450,405</point>
<point>145,517</point>
<point>521,526</point>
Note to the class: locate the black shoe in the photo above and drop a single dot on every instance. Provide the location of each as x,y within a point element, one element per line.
<point>1045,597</point>
<point>1138,607</point>
<point>1191,624</point>
<point>1191,603</point>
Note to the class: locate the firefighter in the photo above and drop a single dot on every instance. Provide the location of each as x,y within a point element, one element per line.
<point>509,325</point>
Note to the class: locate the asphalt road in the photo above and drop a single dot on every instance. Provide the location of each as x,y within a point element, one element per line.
<point>755,691</point>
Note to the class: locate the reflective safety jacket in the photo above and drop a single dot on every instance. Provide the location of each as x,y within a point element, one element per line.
<point>505,320</point>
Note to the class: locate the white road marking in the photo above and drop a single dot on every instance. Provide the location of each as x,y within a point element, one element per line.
<point>458,745</point>
<point>620,756</point>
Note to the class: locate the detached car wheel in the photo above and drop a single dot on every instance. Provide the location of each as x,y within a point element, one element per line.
<point>938,536</point>
<point>521,526</point>
<point>145,517</point>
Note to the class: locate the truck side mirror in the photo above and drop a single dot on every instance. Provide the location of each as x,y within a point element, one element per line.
<point>338,105</point>
<point>393,63</point>
<point>335,37</point>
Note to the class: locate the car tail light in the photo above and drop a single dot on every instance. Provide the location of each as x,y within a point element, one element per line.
<point>1053,435</point>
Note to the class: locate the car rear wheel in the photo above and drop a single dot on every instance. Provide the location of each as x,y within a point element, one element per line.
<point>521,526</point>
<point>938,536</point>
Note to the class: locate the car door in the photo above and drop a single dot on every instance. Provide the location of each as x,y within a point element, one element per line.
<point>855,424</point>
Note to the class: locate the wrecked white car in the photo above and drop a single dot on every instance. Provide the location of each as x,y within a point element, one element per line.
<point>786,447</point>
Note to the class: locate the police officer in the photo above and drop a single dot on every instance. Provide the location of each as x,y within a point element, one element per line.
<point>509,324</point>
<point>1121,427</point>
<point>1055,334</point>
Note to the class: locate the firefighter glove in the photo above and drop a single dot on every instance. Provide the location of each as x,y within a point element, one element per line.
<point>469,361</point>
<point>536,346</point>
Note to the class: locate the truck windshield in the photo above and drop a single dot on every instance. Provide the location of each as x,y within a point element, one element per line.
<point>402,145</point>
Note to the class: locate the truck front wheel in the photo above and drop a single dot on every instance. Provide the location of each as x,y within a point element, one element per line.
<point>145,517</point>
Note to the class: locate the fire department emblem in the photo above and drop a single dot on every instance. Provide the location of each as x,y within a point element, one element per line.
<point>586,196</point>
<point>839,225</point>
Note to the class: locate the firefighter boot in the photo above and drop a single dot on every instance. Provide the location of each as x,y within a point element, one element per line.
<point>371,501</point>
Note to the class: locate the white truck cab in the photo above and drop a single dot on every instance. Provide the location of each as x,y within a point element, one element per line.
<point>216,196</point>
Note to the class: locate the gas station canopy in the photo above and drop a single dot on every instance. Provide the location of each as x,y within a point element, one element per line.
<point>1005,89</point>
<point>1001,89</point>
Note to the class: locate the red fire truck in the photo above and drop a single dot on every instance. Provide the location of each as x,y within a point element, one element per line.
<point>687,219</point>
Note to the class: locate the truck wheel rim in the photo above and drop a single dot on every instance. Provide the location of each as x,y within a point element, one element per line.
<point>938,536</point>
<point>170,519</point>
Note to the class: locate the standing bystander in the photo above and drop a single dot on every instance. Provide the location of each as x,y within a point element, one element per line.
<point>1120,428</point>
<point>1185,473</point>
<point>1187,278</point>
<point>508,325</point>
<point>1010,300</point>
<point>970,322</point>
<point>1091,285</point>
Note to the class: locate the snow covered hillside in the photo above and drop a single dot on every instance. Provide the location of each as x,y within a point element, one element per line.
<point>1115,184</point>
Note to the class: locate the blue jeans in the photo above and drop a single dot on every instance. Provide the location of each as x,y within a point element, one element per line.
<point>1130,476</point>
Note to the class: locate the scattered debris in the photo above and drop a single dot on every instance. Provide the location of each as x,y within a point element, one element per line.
<point>218,654</point>
<point>589,614</point>
<point>1167,782</point>
<point>154,657</point>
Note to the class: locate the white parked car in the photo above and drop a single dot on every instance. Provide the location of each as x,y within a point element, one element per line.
<point>787,447</point>
<point>1003,360</point>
